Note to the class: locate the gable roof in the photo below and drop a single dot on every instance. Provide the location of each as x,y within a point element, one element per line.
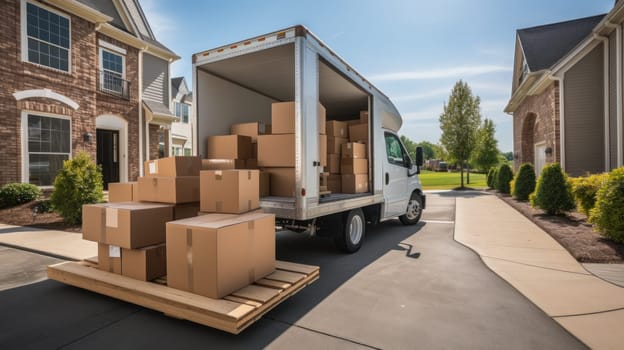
<point>545,45</point>
<point>175,85</point>
<point>108,8</point>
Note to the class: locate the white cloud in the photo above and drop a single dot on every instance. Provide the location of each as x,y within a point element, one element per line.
<point>440,73</point>
<point>420,96</point>
<point>424,114</point>
<point>493,106</point>
<point>161,23</point>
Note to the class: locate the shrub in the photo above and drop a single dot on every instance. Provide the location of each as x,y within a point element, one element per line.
<point>524,183</point>
<point>18,193</point>
<point>585,189</point>
<point>490,177</point>
<point>608,213</point>
<point>504,176</point>
<point>553,193</point>
<point>78,183</point>
<point>495,179</point>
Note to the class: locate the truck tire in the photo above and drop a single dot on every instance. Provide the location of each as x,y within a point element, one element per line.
<point>350,238</point>
<point>413,212</point>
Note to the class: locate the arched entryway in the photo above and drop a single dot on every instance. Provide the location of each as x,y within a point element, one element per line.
<point>112,147</point>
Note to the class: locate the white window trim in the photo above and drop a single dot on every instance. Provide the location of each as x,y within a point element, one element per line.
<point>24,131</point>
<point>113,48</point>
<point>101,65</point>
<point>24,35</point>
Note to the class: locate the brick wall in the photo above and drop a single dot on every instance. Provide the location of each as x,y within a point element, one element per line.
<point>154,135</point>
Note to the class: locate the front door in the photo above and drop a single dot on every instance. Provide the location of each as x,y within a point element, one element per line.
<point>108,155</point>
<point>395,177</point>
<point>540,157</point>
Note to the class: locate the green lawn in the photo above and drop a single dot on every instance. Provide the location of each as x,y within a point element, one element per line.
<point>445,181</point>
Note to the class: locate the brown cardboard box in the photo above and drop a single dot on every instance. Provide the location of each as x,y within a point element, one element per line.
<point>334,144</point>
<point>354,183</point>
<point>127,225</point>
<point>364,117</point>
<point>229,191</point>
<point>322,119</point>
<point>323,189</point>
<point>353,166</point>
<point>249,129</point>
<point>251,163</point>
<point>276,150</point>
<point>323,149</point>
<point>337,128</point>
<point>323,179</point>
<point>358,133</point>
<point>283,118</point>
<point>265,184</point>
<point>144,264</point>
<point>333,164</point>
<point>186,210</point>
<point>228,147</point>
<point>222,164</point>
<point>254,149</point>
<point>109,258</point>
<point>172,166</point>
<point>216,254</point>
<point>352,122</point>
<point>282,181</point>
<point>353,150</point>
<point>334,183</point>
<point>122,192</point>
<point>173,190</point>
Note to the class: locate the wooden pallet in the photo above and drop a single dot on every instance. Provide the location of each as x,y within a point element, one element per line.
<point>232,314</point>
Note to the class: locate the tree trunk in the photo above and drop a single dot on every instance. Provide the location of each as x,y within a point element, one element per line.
<point>468,175</point>
<point>462,173</point>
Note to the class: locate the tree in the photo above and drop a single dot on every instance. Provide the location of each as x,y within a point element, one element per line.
<point>428,149</point>
<point>486,152</point>
<point>410,146</point>
<point>460,123</point>
<point>508,155</point>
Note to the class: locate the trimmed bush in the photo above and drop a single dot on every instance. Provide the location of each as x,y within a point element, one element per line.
<point>78,183</point>
<point>608,213</point>
<point>553,193</point>
<point>524,183</point>
<point>18,193</point>
<point>585,189</point>
<point>495,179</point>
<point>490,177</point>
<point>504,176</point>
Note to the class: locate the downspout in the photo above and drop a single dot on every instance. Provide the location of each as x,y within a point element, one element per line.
<point>560,81</point>
<point>140,113</point>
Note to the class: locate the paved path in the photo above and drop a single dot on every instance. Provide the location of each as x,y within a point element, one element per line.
<point>62,244</point>
<point>613,273</point>
<point>18,267</point>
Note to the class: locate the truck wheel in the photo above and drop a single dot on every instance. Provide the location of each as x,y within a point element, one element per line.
<point>353,230</point>
<point>414,210</point>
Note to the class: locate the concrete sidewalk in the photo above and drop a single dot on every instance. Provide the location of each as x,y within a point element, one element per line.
<point>541,269</point>
<point>60,244</point>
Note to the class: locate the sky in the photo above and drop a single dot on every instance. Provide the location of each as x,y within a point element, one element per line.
<point>413,51</point>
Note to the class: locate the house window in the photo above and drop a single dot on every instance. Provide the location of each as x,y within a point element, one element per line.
<point>187,151</point>
<point>49,144</point>
<point>112,71</point>
<point>182,111</point>
<point>48,38</point>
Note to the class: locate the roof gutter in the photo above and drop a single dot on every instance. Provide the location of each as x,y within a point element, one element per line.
<point>129,39</point>
<point>528,86</point>
<point>81,10</point>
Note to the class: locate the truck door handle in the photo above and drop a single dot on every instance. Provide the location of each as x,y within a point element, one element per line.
<point>387,178</point>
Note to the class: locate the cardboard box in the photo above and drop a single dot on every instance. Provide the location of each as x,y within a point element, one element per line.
<point>333,164</point>
<point>358,133</point>
<point>354,183</point>
<point>216,254</point>
<point>282,181</point>
<point>144,264</point>
<point>228,147</point>
<point>337,128</point>
<point>128,225</point>
<point>172,166</point>
<point>229,191</point>
<point>251,163</point>
<point>353,150</point>
<point>173,190</point>
<point>276,150</point>
<point>352,122</point>
<point>353,166</point>
<point>109,258</point>
<point>186,210</point>
<point>322,119</point>
<point>323,149</point>
<point>283,118</point>
<point>249,129</point>
<point>122,192</point>
<point>254,149</point>
<point>265,184</point>
<point>323,189</point>
<point>334,144</point>
<point>364,117</point>
<point>334,183</point>
<point>323,179</point>
<point>222,164</point>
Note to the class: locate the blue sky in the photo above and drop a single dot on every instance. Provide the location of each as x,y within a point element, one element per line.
<point>414,51</point>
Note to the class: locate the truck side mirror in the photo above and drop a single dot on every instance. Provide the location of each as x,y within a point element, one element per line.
<point>419,156</point>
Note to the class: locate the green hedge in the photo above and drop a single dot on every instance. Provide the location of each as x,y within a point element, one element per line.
<point>18,193</point>
<point>608,213</point>
<point>503,176</point>
<point>553,193</point>
<point>524,183</point>
<point>490,177</point>
<point>585,189</point>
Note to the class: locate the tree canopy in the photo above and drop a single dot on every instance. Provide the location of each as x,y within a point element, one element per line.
<point>486,152</point>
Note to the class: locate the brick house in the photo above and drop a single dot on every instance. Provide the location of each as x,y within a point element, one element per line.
<point>182,132</point>
<point>567,94</point>
<point>80,75</point>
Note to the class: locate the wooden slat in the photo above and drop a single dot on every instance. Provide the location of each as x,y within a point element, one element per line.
<point>93,259</point>
<point>273,284</point>
<point>243,301</point>
<point>257,293</point>
<point>285,276</point>
<point>294,267</point>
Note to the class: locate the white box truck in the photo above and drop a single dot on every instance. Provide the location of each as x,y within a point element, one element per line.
<point>238,83</point>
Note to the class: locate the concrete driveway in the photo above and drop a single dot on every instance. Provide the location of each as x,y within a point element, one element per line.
<point>408,287</point>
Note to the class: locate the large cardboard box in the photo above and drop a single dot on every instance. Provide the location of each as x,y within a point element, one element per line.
<point>337,128</point>
<point>172,166</point>
<point>144,264</point>
<point>333,164</point>
<point>282,181</point>
<point>229,191</point>
<point>123,192</point>
<point>186,210</point>
<point>109,258</point>
<point>174,190</point>
<point>358,133</point>
<point>251,163</point>
<point>216,254</point>
<point>364,117</point>
<point>323,177</point>
<point>334,144</point>
<point>265,184</point>
<point>353,150</point>
<point>354,183</point>
<point>276,150</point>
<point>254,149</point>
<point>283,118</point>
<point>323,149</point>
<point>352,122</point>
<point>222,164</point>
<point>334,183</point>
<point>322,119</point>
<point>353,166</point>
<point>228,147</point>
<point>249,129</point>
<point>128,225</point>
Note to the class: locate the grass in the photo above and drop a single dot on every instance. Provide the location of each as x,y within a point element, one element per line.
<point>432,180</point>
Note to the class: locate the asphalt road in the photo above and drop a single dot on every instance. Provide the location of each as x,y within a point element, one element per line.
<point>408,287</point>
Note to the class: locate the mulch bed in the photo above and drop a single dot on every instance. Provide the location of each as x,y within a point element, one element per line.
<point>22,215</point>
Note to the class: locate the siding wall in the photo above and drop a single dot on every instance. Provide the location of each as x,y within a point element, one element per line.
<point>155,79</point>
